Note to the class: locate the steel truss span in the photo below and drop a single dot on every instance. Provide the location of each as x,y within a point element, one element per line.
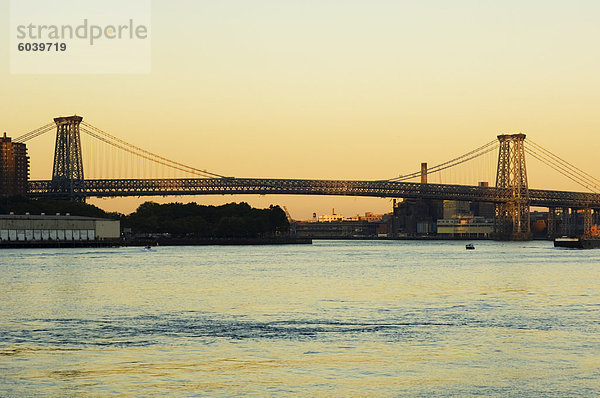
<point>263,186</point>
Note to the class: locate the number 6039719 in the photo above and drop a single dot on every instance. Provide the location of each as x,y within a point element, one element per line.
<point>42,47</point>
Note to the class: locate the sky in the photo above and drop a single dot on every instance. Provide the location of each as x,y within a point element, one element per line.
<point>334,89</point>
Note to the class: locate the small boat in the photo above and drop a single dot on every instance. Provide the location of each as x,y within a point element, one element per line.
<point>148,247</point>
<point>469,246</point>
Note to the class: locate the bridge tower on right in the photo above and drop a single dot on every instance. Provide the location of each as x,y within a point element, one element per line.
<point>512,216</point>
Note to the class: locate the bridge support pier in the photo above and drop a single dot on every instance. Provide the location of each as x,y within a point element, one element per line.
<point>566,222</point>
<point>512,216</point>
<point>587,221</point>
<point>591,219</point>
<point>552,226</point>
<point>560,222</point>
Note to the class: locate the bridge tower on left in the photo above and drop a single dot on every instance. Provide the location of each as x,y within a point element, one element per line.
<point>67,174</point>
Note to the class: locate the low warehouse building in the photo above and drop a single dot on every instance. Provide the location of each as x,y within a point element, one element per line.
<point>465,227</point>
<point>30,228</point>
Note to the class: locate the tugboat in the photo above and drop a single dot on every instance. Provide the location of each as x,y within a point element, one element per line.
<point>469,246</point>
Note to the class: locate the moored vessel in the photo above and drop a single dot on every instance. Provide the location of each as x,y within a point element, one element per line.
<point>577,243</point>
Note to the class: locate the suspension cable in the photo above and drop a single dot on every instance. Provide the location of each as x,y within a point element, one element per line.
<point>96,132</point>
<point>144,156</point>
<point>482,150</point>
<point>566,168</point>
<point>565,172</point>
<point>35,133</point>
<point>559,159</point>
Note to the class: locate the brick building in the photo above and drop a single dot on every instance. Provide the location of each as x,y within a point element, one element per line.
<point>14,167</point>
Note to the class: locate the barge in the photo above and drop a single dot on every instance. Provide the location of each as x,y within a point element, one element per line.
<point>577,243</point>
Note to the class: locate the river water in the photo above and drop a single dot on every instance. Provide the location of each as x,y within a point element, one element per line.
<point>336,318</point>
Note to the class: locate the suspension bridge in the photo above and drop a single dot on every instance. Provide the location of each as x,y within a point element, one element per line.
<point>123,169</point>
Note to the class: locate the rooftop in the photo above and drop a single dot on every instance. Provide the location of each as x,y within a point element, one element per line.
<point>48,217</point>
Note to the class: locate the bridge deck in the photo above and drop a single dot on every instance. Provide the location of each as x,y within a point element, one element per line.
<point>263,186</point>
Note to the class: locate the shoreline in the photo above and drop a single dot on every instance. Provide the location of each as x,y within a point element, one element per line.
<point>425,238</point>
<point>152,242</point>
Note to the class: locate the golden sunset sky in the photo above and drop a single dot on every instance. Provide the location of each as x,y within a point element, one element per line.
<point>334,89</point>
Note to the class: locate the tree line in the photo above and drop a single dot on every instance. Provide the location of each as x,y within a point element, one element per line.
<point>232,220</point>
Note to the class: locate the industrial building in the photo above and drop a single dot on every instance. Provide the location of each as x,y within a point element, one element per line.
<point>369,227</point>
<point>465,227</point>
<point>460,221</point>
<point>416,217</point>
<point>14,167</point>
<point>34,228</point>
<point>443,218</point>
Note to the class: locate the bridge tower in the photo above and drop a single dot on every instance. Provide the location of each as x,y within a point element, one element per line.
<point>512,216</point>
<point>67,174</point>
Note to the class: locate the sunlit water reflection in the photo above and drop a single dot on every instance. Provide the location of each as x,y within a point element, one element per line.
<point>335,318</point>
